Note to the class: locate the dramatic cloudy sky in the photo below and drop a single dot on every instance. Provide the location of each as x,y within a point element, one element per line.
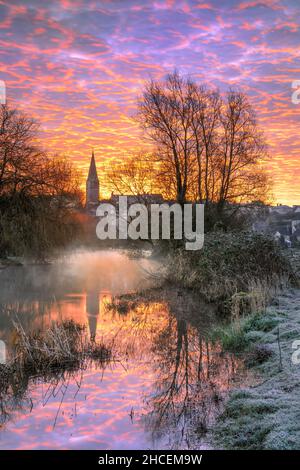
<point>80,65</point>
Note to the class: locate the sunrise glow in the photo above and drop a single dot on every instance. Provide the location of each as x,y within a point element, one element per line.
<point>79,67</point>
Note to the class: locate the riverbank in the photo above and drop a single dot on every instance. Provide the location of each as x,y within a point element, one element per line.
<point>255,285</point>
<point>238,270</point>
<point>267,415</point>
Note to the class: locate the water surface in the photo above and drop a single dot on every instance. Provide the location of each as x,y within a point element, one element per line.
<point>164,386</point>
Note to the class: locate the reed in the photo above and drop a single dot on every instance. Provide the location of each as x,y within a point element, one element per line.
<point>61,347</point>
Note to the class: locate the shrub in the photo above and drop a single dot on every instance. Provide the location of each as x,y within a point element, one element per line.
<point>231,264</point>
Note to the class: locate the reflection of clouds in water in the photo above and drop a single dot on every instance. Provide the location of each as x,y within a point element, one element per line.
<point>191,377</point>
<point>101,418</point>
<point>166,365</point>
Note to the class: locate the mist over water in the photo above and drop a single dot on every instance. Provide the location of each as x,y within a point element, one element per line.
<point>60,289</point>
<point>165,383</point>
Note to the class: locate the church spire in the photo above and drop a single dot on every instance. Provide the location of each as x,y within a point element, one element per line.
<point>92,183</point>
<point>93,170</point>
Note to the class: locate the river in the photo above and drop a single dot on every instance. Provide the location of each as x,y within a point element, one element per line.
<point>165,384</point>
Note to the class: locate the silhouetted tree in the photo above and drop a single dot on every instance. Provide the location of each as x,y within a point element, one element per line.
<point>208,147</point>
<point>38,193</point>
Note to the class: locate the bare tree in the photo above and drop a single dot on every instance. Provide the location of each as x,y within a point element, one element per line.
<point>24,166</point>
<point>38,193</point>
<point>165,114</point>
<point>17,150</point>
<point>205,123</point>
<point>207,147</point>
<point>241,148</point>
<point>135,176</point>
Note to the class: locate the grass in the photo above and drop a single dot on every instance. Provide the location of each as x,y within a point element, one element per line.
<point>265,415</point>
<point>61,347</point>
<point>240,334</point>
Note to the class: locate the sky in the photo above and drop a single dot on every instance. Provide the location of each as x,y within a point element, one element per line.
<point>79,67</point>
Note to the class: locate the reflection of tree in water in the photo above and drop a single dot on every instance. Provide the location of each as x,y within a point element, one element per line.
<point>192,378</point>
<point>59,385</point>
<point>165,329</point>
<point>15,397</point>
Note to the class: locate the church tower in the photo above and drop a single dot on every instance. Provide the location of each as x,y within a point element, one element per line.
<point>92,184</point>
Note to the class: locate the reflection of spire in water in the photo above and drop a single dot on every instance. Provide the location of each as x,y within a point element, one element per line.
<point>92,311</point>
<point>93,301</point>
